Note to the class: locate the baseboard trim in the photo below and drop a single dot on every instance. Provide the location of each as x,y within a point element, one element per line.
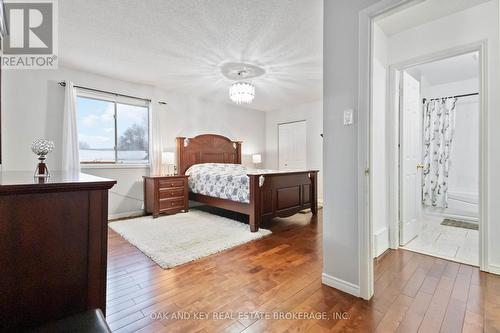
<point>380,242</point>
<point>382,256</point>
<point>134,213</point>
<point>494,269</point>
<point>340,284</point>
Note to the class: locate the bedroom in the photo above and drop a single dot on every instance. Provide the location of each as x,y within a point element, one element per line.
<point>132,92</point>
<point>192,146</point>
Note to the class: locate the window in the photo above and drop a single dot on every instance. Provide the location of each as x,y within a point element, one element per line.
<point>112,129</point>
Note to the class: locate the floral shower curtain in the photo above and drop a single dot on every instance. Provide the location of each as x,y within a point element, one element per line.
<point>439,131</point>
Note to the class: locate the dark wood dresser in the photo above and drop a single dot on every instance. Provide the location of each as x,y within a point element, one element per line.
<point>165,194</point>
<point>53,247</point>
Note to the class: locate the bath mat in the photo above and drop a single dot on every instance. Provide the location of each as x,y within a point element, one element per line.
<point>460,224</point>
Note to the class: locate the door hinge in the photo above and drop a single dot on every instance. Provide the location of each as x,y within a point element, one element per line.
<point>367,171</point>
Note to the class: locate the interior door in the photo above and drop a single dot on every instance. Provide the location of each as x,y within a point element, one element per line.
<point>411,153</point>
<point>292,146</point>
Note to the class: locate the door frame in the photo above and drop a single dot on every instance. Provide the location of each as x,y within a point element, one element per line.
<point>278,139</point>
<point>366,21</point>
<point>394,126</point>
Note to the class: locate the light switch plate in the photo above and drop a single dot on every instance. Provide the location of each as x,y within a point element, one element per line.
<point>348,117</point>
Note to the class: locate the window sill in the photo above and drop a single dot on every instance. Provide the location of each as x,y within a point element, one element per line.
<point>113,166</point>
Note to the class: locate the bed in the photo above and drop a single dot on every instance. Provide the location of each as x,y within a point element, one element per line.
<point>217,178</point>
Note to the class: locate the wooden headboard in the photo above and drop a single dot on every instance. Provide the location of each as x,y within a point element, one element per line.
<point>206,148</point>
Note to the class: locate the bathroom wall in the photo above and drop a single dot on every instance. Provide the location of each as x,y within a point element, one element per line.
<point>463,190</point>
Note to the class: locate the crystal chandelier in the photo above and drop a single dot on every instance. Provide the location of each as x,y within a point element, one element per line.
<point>242,92</point>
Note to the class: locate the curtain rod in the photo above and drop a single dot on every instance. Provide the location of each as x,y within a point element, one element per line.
<point>457,96</point>
<point>63,84</point>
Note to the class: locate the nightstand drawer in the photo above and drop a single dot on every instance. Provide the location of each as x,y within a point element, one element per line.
<point>167,193</point>
<point>171,203</point>
<point>170,183</point>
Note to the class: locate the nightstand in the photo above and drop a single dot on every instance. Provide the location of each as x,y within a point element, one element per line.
<point>165,194</point>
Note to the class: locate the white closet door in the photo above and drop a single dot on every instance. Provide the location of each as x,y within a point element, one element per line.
<point>411,155</point>
<point>292,146</point>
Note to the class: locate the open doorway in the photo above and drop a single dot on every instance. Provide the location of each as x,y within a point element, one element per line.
<point>427,133</point>
<point>439,158</point>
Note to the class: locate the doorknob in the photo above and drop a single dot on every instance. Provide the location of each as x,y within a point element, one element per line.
<point>420,166</point>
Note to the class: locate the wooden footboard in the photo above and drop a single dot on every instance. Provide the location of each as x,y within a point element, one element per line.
<point>281,194</point>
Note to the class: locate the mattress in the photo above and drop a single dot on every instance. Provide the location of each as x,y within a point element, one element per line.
<point>220,180</point>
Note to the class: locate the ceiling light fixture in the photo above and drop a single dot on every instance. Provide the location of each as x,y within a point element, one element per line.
<point>242,92</point>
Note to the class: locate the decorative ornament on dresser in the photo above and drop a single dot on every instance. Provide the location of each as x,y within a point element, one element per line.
<point>42,147</point>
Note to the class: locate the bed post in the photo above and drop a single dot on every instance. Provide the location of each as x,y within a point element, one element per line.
<point>180,155</point>
<point>255,215</point>
<point>238,152</point>
<point>313,175</point>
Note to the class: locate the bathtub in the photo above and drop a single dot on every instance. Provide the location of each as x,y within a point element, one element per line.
<point>461,205</point>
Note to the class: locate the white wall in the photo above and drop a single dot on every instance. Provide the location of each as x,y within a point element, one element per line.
<point>464,172</point>
<point>341,263</point>
<point>379,186</point>
<point>185,116</point>
<point>312,113</point>
<point>449,89</point>
<point>470,26</point>
<point>32,107</point>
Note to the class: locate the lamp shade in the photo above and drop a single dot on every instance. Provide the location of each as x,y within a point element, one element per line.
<point>257,158</point>
<point>168,157</point>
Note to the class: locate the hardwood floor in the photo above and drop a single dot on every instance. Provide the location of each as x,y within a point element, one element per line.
<point>281,275</point>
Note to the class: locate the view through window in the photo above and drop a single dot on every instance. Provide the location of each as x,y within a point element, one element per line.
<point>111,130</point>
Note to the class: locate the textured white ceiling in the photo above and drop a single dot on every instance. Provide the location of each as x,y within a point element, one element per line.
<point>179,45</point>
<point>459,68</point>
<point>423,12</point>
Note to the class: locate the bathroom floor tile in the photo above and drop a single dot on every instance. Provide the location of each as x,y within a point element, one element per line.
<point>446,242</point>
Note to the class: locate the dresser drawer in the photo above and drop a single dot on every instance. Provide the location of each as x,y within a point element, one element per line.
<point>166,204</point>
<point>167,193</point>
<point>170,183</point>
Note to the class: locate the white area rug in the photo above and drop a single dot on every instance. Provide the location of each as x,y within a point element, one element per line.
<point>177,239</point>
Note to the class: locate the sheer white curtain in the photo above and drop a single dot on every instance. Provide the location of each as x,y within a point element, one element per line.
<point>70,153</point>
<point>156,143</point>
